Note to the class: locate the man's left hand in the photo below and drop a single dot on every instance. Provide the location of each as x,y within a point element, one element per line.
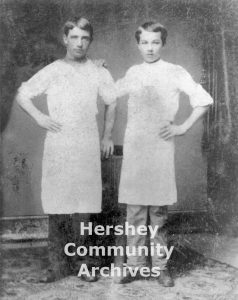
<point>169,130</point>
<point>107,147</point>
<point>100,63</point>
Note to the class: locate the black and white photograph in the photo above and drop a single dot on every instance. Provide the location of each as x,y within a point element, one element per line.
<point>119,149</point>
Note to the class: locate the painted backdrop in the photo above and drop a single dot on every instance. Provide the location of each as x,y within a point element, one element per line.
<point>37,25</point>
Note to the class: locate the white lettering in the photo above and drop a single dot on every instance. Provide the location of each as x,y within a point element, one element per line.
<point>132,271</point>
<point>84,249</point>
<point>129,229</point>
<point>158,248</point>
<point>97,249</point>
<point>155,271</point>
<point>99,230</point>
<point>143,251</point>
<point>115,250</point>
<point>117,269</point>
<point>153,230</point>
<point>66,249</point>
<point>108,228</point>
<point>83,228</point>
<point>168,252</point>
<point>145,271</point>
<point>103,270</point>
<point>142,230</point>
<point>118,230</point>
<point>83,270</point>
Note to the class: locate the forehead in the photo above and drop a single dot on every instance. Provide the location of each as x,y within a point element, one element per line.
<point>147,35</point>
<point>79,32</point>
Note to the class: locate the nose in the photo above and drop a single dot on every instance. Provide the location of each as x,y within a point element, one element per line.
<point>80,43</point>
<point>150,48</point>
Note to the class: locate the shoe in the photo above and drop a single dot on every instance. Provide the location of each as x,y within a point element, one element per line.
<point>123,279</point>
<point>89,278</point>
<point>51,276</point>
<point>165,279</point>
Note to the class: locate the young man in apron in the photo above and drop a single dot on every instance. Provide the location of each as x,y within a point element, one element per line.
<point>147,183</point>
<point>71,187</point>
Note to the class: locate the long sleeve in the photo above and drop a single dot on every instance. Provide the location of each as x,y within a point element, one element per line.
<point>197,95</point>
<point>106,86</point>
<point>37,84</point>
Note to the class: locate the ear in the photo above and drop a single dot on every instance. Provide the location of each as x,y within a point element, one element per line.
<point>65,40</point>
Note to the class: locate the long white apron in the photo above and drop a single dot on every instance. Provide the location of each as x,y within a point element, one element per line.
<point>148,176</point>
<point>71,168</point>
<point>71,171</point>
<point>148,172</point>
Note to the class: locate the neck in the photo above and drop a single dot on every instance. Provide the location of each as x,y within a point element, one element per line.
<point>71,59</point>
<point>152,61</point>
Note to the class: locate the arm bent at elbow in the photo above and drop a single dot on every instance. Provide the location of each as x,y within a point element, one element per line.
<point>170,130</point>
<point>41,119</point>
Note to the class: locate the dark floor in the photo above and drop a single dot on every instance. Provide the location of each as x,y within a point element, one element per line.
<point>195,277</point>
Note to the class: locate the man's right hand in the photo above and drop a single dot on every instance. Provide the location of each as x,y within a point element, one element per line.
<point>107,147</point>
<point>47,123</point>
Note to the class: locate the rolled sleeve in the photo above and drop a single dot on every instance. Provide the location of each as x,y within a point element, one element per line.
<point>37,84</point>
<point>197,94</point>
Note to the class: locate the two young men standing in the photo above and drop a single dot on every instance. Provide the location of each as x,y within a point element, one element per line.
<point>71,180</point>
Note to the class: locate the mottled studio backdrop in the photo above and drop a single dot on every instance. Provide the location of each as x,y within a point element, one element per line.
<point>31,39</point>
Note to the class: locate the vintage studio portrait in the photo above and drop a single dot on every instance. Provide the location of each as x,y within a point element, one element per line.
<point>119,149</point>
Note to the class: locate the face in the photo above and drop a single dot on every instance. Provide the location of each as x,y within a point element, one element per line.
<point>150,46</point>
<point>77,43</point>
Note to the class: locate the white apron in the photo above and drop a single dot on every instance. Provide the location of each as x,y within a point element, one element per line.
<point>71,168</point>
<point>148,173</point>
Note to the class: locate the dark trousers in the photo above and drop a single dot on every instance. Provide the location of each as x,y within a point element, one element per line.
<point>65,229</point>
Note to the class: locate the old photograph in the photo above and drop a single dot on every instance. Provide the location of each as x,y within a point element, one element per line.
<point>119,149</point>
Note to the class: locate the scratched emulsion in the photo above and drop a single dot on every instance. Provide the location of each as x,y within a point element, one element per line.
<point>195,279</point>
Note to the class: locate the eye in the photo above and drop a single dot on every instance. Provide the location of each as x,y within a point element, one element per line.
<point>143,42</point>
<point>86,38</point>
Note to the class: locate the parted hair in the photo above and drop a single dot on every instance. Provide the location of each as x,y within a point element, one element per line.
<point>152,26</point>
<point>79,22</point>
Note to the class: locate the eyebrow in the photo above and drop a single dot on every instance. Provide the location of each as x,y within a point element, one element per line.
<point>156,40</point>
<point>84,36</point>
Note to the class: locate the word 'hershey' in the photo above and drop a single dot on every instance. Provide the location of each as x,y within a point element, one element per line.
<point>126,229</point>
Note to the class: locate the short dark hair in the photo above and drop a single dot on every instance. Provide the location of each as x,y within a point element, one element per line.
<point>79,22</point>
<point>152,27</point>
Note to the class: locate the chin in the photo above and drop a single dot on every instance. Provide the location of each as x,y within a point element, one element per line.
<point>151,60</point>
<point>79,56</point>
